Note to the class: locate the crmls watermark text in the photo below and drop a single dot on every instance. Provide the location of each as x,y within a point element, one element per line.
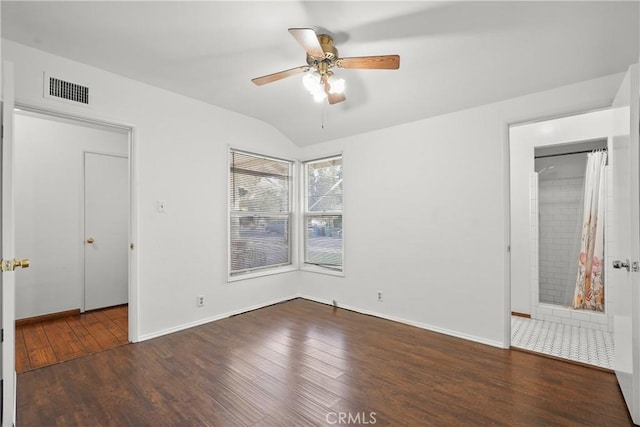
<point>350,418</point>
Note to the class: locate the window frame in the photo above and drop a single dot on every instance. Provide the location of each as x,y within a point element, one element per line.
<point>292,216</point>
<point>305,214</point>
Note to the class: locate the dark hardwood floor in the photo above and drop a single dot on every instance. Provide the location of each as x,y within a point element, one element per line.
<point>51,341</point>
<point>301,363</point>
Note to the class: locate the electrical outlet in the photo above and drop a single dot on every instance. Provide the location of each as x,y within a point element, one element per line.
<point>379,296</point>
<point>200,300</point>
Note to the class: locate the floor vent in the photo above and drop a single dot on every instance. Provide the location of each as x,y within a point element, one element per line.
<point>69,91</point>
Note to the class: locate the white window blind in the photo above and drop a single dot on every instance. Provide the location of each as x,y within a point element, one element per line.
<point>259,212</point>
<point>323,213</point>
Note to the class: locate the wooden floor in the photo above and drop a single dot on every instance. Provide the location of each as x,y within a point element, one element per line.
<point>52,341</point>
<point>301,363</point>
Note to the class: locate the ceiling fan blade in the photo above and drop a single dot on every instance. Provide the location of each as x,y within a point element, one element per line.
<point>308,40</point>
<point>333,98</point>
<point>381,62</point>
<point>270,78</point>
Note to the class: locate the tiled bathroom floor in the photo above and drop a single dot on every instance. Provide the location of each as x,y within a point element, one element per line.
<point>582,345</point>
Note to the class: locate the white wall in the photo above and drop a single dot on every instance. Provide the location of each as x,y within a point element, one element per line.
<point>426,216</point>
<point>181,152</point>
<point>49,209</point>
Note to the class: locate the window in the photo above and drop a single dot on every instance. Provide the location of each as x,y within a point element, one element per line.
<point>323,213</point>
<point>259,212</point>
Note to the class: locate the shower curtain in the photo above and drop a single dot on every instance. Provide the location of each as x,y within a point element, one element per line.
<point>589,292</point>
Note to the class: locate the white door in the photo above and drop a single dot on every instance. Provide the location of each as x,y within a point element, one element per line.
<point>106,219</point>
<point>625,240</point>
<point>7,277</point>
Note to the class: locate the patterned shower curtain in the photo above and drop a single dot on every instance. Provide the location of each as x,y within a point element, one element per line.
<point>589,293</point>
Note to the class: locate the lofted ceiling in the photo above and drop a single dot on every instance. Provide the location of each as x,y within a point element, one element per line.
<point>454,55</point>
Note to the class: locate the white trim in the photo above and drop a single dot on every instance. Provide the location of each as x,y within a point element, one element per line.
<point>267,271</point>
<point>76,116</point>
<point>311,268</point>
<point>134,289</point>
<point>214,318</point>
<point>506,173</point>
<point>330,155</point>
<point>420,325</point>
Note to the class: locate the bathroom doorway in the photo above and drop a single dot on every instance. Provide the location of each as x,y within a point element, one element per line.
<point>548,169</point>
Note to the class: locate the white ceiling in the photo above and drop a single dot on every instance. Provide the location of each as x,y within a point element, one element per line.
<point>454,55</point>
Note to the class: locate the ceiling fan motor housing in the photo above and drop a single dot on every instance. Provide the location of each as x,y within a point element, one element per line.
<point>330,55</point>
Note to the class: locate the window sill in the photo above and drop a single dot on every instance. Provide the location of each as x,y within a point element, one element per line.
<point>269,272</point>
<point>321,270</point>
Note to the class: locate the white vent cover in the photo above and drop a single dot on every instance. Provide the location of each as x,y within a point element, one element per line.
<point>64,90</point>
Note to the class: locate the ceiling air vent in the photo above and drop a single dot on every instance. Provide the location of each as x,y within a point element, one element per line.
<point>66,90</point>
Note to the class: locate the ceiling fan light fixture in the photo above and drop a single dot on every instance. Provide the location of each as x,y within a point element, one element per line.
<point>319,96</point>
<point>311,81</point>
<point>336,85</point>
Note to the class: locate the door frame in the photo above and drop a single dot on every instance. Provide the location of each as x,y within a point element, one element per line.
<point>507,166</point>
<point>133,295</point>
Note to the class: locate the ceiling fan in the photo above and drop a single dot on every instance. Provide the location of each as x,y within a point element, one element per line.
<point>322,56</point>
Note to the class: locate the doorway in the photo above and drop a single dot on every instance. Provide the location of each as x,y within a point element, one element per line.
<point>51,206</point>
<point>548,164</point>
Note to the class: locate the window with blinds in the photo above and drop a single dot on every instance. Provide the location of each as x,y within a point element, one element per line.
<point>323,213</point>
<point>259,212</point>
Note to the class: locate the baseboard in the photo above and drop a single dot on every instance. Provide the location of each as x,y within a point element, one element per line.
<point>50,316</point>
<point>420,325</point>
<point>199,322</point>
<point>526,316</point>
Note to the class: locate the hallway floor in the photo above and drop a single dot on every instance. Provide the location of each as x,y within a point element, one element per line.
<point>48,342</point>
<point>581,345</point>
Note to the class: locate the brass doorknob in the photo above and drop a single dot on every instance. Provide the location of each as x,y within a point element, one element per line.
<point>13,264</point>
<point>90,240</point>
<point>23,263</point>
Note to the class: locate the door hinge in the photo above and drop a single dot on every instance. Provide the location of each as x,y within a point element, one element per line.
<point>635,266</point>
<point>2,335</point>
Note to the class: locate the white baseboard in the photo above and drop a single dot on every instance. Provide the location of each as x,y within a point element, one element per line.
<point>212,318</point>
<point>420,325</point>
